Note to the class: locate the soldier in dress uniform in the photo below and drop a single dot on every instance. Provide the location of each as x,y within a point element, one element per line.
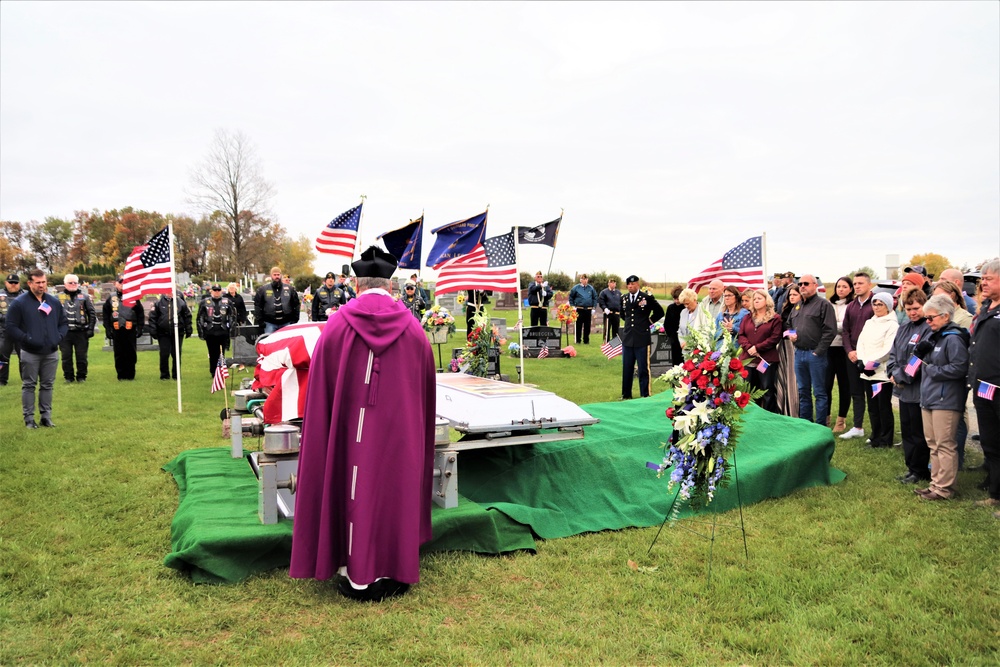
<point>275,304</point>
<point>639,311</point>
<point>11,290</point>
<point>122,324</point>
<point>327,299</point>
<point>216,323</point>
<point>161,323</point>
<point>82,318</point>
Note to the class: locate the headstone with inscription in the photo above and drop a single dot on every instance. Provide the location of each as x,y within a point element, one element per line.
<point>535,338</point>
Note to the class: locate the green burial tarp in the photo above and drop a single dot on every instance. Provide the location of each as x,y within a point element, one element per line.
<point>510,495</point>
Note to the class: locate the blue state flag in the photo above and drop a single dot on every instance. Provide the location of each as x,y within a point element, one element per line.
<point>404,243</point>
<point>456,239</point>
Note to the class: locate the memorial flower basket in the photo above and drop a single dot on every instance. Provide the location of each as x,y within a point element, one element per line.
<point>566,315</point>
<point>710,392</point>
<point>439,323</point>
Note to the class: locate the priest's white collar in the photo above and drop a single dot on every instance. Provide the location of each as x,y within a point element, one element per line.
<point>375,290</point>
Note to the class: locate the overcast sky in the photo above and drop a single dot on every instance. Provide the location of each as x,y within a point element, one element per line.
<point>669,132</point>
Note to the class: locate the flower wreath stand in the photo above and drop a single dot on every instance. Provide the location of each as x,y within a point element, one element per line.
<point>710,392</point>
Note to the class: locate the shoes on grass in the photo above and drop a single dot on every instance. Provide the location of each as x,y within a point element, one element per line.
<point>47,423</point>
<point>374,592</point>
<point>908,478</point>
<point>987,502</point>
<point>30,424</point>
<point>853,433</point>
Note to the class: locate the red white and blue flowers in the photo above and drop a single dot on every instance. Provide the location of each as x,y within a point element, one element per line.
<point>710,391</point>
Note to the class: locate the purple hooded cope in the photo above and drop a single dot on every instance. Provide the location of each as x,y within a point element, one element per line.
<point>365,466</point>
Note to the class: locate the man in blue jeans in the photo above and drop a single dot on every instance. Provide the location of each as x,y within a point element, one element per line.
<point>815,324</point>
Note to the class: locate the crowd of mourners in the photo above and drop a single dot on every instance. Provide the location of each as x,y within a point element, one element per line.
<point>930,345</point>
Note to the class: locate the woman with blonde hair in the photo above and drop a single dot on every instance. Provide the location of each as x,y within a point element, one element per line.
<point>759,337</point>
<point>691,316</point>
<point>961,317</point>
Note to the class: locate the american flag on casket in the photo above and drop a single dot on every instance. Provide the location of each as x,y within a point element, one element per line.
<point>283,364</point>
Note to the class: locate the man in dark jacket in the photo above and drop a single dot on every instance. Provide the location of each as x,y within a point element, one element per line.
<point>583,297</point>
<point>275,304</point>
<point>233,292</point>
<point>122,325</point>
<point>327,299</point>
<point>37,322</point>
<point>161,322</point>
<point>984,378</point>
<point>82,318</point>
<point>11,290</point>
<point>815,325</point>
<point>539,295</point>
<point>639,311</point>
<point>857,313</point>
<point>216,322</point>
<point>610,301</point>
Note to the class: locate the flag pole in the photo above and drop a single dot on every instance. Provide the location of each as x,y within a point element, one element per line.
<point>763,245</point>
<point>357,238</point>
<point>173,301</point>
<point>562,212</point>
<point>520,316</point>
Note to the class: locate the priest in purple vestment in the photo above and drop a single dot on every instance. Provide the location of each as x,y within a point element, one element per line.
<point>363,500</point>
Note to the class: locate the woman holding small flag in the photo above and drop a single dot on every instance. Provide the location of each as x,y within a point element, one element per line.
<point>759,336</point>
<point>984,378</point>
<point>873,348</point>
<point>903,369</point>
<point>945,364</point>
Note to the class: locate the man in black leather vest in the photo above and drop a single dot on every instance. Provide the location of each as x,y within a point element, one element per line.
<point>161,324</point>
<point>216,321</point>
<point>82,318</point>
<point>122,325</point>
<point>275,304</point>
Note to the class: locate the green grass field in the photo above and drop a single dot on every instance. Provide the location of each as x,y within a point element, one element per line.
<point>857,573</point>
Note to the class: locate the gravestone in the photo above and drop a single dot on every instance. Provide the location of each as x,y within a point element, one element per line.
<point>492,360</point>
<point>535,338</point>
<point>501,324</point>
<point>660,355</point>
<point>449,302</point>
<point>244,347</point>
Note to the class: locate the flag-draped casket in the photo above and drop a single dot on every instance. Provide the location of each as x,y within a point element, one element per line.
<point>283,365</point>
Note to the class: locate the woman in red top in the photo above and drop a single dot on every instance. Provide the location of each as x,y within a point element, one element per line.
<point>760,333</point>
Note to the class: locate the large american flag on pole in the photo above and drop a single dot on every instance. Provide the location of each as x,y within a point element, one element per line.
<point>741,267</point>
<point>491,265</point>
<point>148,269</point>
<point>340,236</point>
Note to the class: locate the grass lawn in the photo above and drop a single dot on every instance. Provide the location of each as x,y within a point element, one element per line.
<point>858,573</point>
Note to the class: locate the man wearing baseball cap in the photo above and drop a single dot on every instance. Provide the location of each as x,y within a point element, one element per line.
<point>11,290</point>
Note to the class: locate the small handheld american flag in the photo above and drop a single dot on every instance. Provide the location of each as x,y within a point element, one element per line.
<point>220,377</point>
<point>612,348</point>
<point>877,388</point>
<point>912,366</point>
<point>763,366</point>
<point>986,390</point>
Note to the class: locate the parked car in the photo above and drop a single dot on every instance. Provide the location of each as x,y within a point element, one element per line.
<point>890,287</point>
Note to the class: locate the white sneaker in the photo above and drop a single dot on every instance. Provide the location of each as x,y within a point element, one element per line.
<point>853,433</point>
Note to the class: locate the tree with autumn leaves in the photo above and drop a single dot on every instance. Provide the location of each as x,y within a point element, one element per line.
<point>234,235</point>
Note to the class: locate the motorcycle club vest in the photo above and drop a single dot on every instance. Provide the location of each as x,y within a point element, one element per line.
<point>75,305</point>
<point>122,316</point>
<point>217,314</point>
<point>277,304</point>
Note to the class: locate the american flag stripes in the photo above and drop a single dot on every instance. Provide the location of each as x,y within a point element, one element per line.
<point>340,236</point>
<point>741,267</point>
<point>913,365</point>
<point>877,387</point>
<point>612,348</point>
<point>148,269</point>
<point>986,390</point>
<point>544,352</point>
<point>220,377</point>
<point>490,266</point>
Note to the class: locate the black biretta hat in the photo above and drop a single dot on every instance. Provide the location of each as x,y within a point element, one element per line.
<point>375,263</point>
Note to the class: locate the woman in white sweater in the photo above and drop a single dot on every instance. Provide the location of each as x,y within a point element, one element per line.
<point>874,346</point>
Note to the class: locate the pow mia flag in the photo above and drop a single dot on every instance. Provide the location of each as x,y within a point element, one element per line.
<point>541,235</point>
